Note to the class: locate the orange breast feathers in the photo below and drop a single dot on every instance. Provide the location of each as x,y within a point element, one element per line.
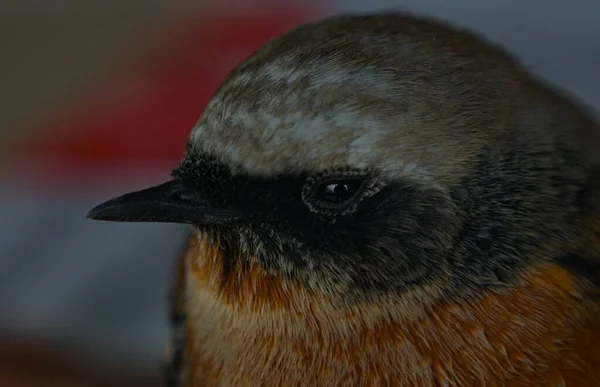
<point>258,329</point>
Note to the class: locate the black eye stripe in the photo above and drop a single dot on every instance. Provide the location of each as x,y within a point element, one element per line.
<point>211,177</point>
<point>332,193</point>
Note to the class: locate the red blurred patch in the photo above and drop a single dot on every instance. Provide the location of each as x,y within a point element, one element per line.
<point>144,114</point>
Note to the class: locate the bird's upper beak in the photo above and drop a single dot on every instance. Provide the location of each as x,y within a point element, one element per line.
<point>171,202</point>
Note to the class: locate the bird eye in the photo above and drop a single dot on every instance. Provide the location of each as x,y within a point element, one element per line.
<point>338,191</point>
<point>335,193</point>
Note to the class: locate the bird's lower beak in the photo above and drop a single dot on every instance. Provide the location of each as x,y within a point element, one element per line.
<point>171,202</point>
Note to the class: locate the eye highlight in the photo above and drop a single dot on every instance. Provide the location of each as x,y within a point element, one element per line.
<point>338,191</point>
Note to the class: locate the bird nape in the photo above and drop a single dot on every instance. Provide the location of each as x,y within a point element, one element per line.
<point>384,199</point>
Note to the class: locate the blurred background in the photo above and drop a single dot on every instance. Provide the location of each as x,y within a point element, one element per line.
<point>98,97</point>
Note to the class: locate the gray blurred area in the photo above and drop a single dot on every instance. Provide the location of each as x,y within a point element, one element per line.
<point>101,287</point>
<point>98,287</point>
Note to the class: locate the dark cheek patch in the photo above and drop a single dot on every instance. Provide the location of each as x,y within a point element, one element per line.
<point>392,239</point>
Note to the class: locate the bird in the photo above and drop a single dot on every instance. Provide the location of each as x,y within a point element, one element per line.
<point>383,199</point>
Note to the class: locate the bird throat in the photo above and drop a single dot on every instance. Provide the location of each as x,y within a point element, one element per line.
<point>254,326</point>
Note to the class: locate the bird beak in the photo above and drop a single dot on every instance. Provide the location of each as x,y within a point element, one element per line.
<point>171,202</point>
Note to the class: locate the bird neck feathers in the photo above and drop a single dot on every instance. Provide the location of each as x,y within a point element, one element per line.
<point>239,330</point>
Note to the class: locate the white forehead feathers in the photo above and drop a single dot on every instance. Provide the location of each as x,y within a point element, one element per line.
<point>344,93</point>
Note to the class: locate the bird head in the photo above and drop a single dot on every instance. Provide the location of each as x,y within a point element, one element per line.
<point>370,155</point>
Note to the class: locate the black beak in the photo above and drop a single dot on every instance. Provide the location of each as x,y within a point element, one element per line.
<point>171,202</point>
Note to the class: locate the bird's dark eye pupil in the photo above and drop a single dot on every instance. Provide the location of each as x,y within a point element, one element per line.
<point>338,191</point>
